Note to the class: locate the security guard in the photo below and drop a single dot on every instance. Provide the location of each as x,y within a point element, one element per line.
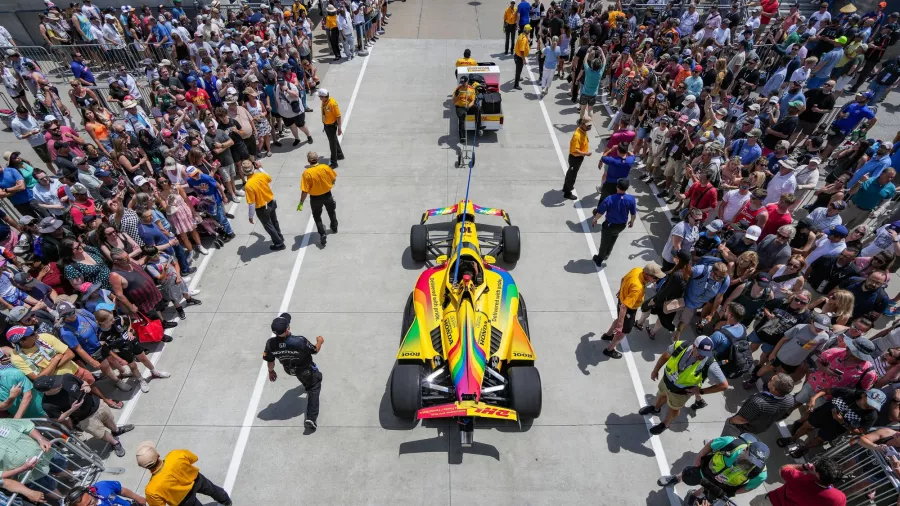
<point>734,465</point>
<point>523,45</point>
<point>331,118</point>
<point>466,60</point>
<point>510,22</point>
<point>330,24</point>
<point>578,149</point>
<point>295,355</point>
<point>687,366</point>
<point>463,98</point>
<point>317,182</point>
<point>261,201</point>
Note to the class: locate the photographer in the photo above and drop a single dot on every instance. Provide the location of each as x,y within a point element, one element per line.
<point>287,98</point>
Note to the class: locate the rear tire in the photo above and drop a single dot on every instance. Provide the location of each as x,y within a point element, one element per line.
<point>406,390</point>
<point>511,244</point>
<point>525,391</point>
<point>418,242</point>
<point>408,316</point>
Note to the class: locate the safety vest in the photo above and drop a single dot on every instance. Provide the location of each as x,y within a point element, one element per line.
<point>692,376</point>
<point>462,95</point>
<point>730,479</point>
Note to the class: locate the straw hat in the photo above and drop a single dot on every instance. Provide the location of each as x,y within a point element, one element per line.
<point>129,103</point>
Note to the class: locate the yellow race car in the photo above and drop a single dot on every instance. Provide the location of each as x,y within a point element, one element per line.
<point>465,350</point>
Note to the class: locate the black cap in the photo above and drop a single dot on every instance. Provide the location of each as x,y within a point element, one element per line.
<point>46,383</point>
<point>281,324</point>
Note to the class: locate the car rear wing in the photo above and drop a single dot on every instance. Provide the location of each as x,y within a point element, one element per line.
<point>487,211</point>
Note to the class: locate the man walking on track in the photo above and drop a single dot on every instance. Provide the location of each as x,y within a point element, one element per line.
<point>175,479</point>
<point>523,45</point>
<point>331,118</point>
<point>261,201</point>
<point>317,182</point>
<point>578,149</point>
<point>617,207</point>
<point>295,355</point>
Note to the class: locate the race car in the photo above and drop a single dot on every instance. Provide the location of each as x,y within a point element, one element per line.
<point>465,350</point>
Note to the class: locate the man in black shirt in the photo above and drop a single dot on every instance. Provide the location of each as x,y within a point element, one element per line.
<point>556,24</point>
<point>848,409</point>
<point>783,129</point>
<point>69,401</point>
<point>819,102</point>
<point>577,63</point>
<point>295,355</point>
<point>886,79</point>
<point>879,43</point>
<point>827,272</point>
<point>749,75</point>
<point>734,15</point>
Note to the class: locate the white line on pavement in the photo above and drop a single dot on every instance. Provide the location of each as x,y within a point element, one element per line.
<point>252,407</point>
<point>655,442</point>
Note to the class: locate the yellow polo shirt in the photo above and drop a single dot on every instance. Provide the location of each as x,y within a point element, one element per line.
<point>331,21</point>
<point>466,62</point>
<point>171,483</point>
<point>330,111</point>
<point>523,45</point>
<point>509,16</point>
<point>613,15</point>
<point>318,180</point>
<point>464,97</point>
<point>579,143</point>
<point>258,192</point>
<point>631,293</point>
<point>35,359</point>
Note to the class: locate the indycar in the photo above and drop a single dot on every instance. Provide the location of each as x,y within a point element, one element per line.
<point>465,350</point>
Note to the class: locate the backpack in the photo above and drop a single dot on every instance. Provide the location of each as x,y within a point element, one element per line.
<point>728,449</point>
<point>740,357</point>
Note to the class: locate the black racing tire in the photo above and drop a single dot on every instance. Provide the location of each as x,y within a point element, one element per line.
<point>409,315</point>
<point>523,315</point>
<point>418,242</point>
<point>406,390</point>
<point>512,244</point>
<point>525,391</point>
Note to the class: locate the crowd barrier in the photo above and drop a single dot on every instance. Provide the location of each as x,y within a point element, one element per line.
<point>869,479</point>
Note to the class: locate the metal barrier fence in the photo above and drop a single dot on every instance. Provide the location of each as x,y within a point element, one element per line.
<point>50,66</point>
<point>115,106</point>
<point>866,471</point>
<point>100,58</point>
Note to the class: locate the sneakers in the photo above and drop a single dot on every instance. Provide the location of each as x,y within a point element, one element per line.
<point>648,410</point>
<point>180,312</point>
<point>311,425</point>
<point>307,109</point>
<point>323,240</point>
<point>569,196</point>
<point>309,139</point>
<point>156,373</point>
<point>363,53</point>
<point>167,338</point>
<point>750,383</point>
<point>646,178</point>
<point>296,143</point>
<point>663,194</point>
<point>119,449</point>
<point>277,247</point>
<point>145,387</point>
<point>334,228</point>
<point>169,325</point>
<point>239,193</point>
<point>606,337</point>
<point>616,354</point>
<point>699,404</point>
<point>192,302</point>
<point>276,144</point>
<point>665,481</point>
<point>658,429</point>
<point>597,260</point>
<point>122,429</point>
<point>123,386</point>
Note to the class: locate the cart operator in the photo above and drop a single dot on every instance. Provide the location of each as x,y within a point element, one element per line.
<point>463,99</point>
<point>295,354</point>
<point>466,60</point>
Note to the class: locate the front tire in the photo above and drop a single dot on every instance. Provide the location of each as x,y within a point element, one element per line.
<point>406,390</point>
<point>525,391</point>
<point>511,244</point>
<point>418,242</point>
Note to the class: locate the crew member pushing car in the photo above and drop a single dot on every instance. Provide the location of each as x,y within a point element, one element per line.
<point>463,98</point>
<point>295,355</point>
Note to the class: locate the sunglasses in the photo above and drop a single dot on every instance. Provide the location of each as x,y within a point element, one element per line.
<point>802,302</point>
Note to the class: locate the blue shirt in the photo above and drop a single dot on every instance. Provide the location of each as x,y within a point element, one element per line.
<point>82,332</point>
<point>80,71</point>
<point>9,178</point>
<point>702,288</point>
<point>524,13</point>
<point>108,494</point>
<point>743,149</point>
<point>895,155</point>
<point>773,162</point>
<point>177,13</point>
<point>871,194</point>
<point>591,81</point>
<point>856,112</point>
<point>830,60</point>
<point>786,99</point>
<point>162,33</point>
<point>617,168</point>
<point>873,168</point>
<point>551,57</point>
<point>721,342</point>
<point>206,186</point>
<point>153,236</point>
<point>617,208</point>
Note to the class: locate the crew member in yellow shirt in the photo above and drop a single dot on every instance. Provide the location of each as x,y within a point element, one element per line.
<point>261,201</point>
<point>510,22</point>
<point>331,118</point>
<point>316,182</point>
<point>466,60</point>
<point>523,44</point>
<point>331,25</point>
<point>578,149</point>
<point>631,296</point>
<point>175,479</point>
<point>463,98</point>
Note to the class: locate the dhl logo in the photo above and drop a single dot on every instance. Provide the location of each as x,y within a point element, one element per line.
<point>493,411</point>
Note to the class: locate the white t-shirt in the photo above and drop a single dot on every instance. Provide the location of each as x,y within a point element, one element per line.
<point>817,18</point>
<point>657,140</point>
<point>734,201</point>
<point>824,247</point>
<point>799,75</point>
<point>5,37</point>
<point>688,236</point>
<point>778,186</point>
<point>882,242</point>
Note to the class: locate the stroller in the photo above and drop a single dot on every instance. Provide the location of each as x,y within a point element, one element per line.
<point>207,224</point>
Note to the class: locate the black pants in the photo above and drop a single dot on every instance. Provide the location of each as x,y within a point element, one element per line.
<point>575,87</point>
<point>510,45</point>
<point>334,145</point>
<point>312,382</point>
<point>540,66</point>
<point>863,75</point>
<point>269,221</point>
<point>252,149</point>
<point>318,202</point>
<point>520,63</point>
<point>607,189</point>
<point>334,42</point>
<point>203,486</point>
<point>572,174</point>
<point>609,232</point>
<point>461,117</point>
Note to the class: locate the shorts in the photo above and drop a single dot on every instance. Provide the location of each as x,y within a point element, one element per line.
<point>43,153</point>
<point>673,400</point>
<point>126,350</point>
<point>808,127</point>
<point>227,172</point>
<point>766,348</point>
<point>674,168</point>
<point>805,394</point>
<point>94,424</point>
<point>16,298</point>
<point>835,136</point>
<point>20,95</point>
<point>642,133</point>
<point>684,316</point>
<point>299,120</point>
<point>790,369</point>
<point>587,99</point>
<point>628,324</point>
<point>829,428</point>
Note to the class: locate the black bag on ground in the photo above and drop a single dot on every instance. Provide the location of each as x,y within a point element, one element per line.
<point>491,104</point>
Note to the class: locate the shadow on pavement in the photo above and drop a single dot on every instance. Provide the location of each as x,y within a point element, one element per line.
<point>581,266</point>
<point>627,433</point>
<point>291,405</point>
<point>553,198</point>
<point>589,353</point>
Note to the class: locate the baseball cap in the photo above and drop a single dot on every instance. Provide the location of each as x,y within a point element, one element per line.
<point>753,107</point>
<point>715,226</point>
<point>875,398</point>
<point>23,278</point>
<point>755,133</point>
<point>815,159</point>
<point>48,225</point>
<point>694,122</point>
<point>26,219</point>
<point>841,40</point>
<point>16,314</point>
<point>102,173</point>
<point>191,170</point>
<point>690,99</point>
<point>79,189</point>
<point>140,180</point>
<point>704,346</point>
<point>763,279</point>
<point>17,333</point>
<point>753,232</point>
<point>653,269</point>
<point>47,383</point>
<point>861,348</point>
<point>821,321</point>
<point>757,454</point>
<point>838,230</point>
<point>65,308</point>
<point>281,323</point>
<point>719,124</point>
<point>146,454</point>
<point>323,92</point>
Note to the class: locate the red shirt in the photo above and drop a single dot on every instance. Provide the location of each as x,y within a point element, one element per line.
<point>747,214</point>
<point>702,197</point>
<point>199,97</point>
<point>626,136</point>
<point>801,489</point>
<point>775,220</point>
<point>769,11</point>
